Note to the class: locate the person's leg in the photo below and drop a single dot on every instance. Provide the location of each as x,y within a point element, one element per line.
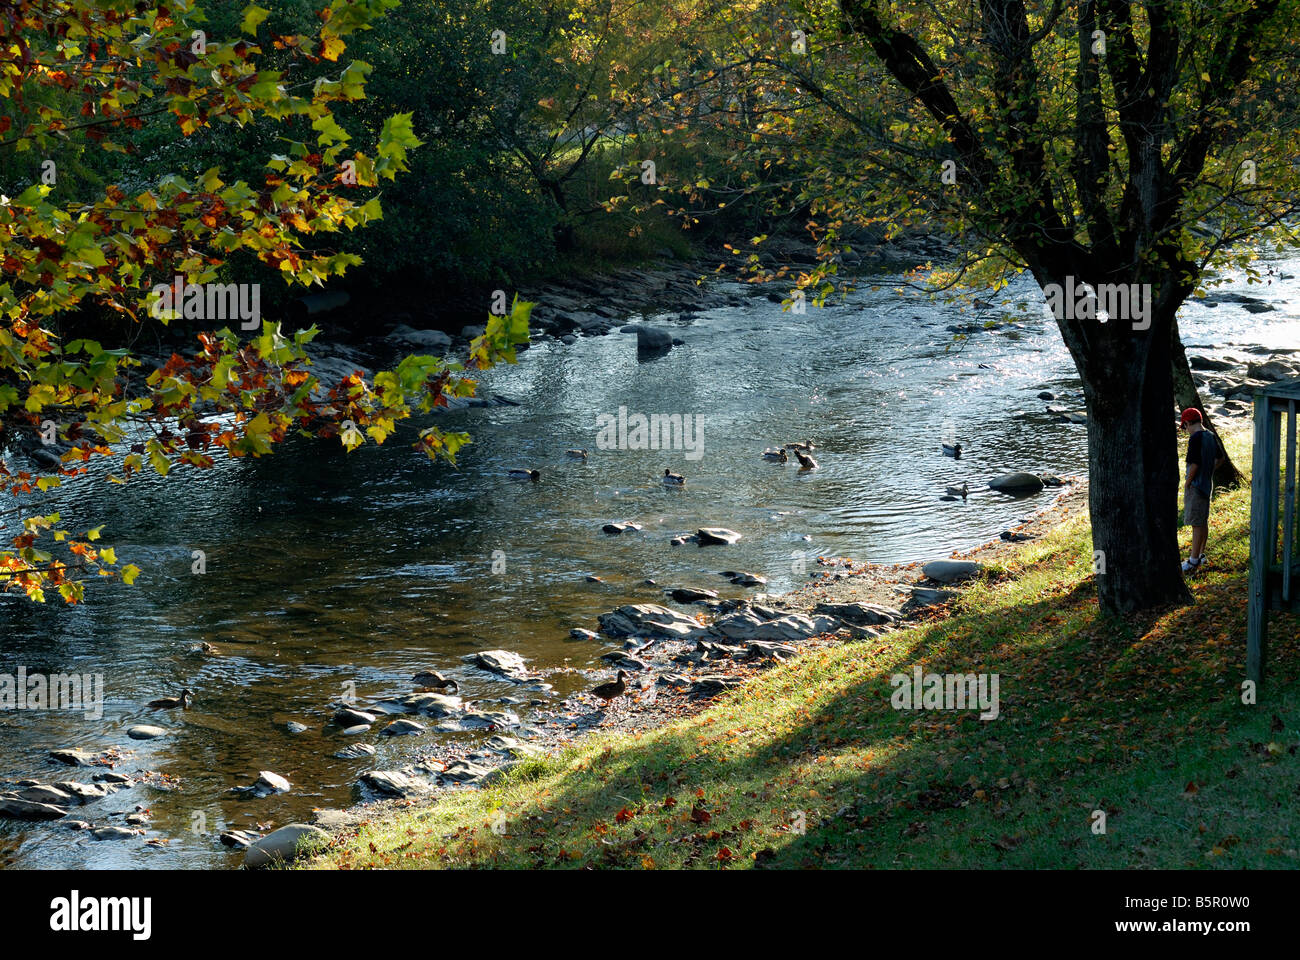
<point>1199,537</point>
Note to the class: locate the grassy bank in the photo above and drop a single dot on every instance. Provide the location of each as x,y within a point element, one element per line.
<point>809,765</point>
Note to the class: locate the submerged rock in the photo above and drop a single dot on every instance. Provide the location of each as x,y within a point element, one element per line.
<point>239,839</point>
<point>649,340</point>
<point>484,720</point>
<point>355,751</point>
<point>614,529</point>
<point>73,758</point>
<point>436,705</point>
<point>84,792</point>
<point>18,809</point>
<point>267,784</point>
<point>144,731</point>
<point>41,793</point>
<point>501,662</point>
<point>691,595</point>
<point>403,728</point>
<point>1016,483</point>
<point>347,717</point>
<point>114,833</point>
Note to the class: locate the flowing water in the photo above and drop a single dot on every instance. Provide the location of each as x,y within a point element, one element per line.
<point>326,569</point>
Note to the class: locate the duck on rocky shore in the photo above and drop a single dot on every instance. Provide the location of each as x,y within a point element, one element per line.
<point>612,690</point>
<point>171,703</point>
<point>673,479</point>
<point>521,474</point>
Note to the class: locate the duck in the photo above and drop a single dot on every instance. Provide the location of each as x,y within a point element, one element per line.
<point>952,450</point>
<point>576,454</point>
<point>673,479</point>
<point>963,491</point>
<point>612,690</point>
<point>171,703</point>
<point>807,446</point>
<point>521,474</point>
<point>432,678</point>
<point>776,456</point>
<point>805,462</point>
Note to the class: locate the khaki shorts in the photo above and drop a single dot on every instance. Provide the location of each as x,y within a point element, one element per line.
<point>1196,508</point>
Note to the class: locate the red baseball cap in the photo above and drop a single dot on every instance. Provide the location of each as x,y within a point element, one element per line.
<point>1190,415</point>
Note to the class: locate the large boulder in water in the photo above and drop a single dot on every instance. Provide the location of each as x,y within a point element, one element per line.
<point>646,620</point>
<point>1016,483</point>
<point>650,341</point>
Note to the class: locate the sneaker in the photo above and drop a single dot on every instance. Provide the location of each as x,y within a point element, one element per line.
<point>1191,563</point>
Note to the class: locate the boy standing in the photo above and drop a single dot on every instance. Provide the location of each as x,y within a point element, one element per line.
<point>1204,454</point>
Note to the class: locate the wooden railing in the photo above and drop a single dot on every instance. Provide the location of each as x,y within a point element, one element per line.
<point>1274,518</point>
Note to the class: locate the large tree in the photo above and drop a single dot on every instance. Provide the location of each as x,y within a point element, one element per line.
<point>1095,144</point>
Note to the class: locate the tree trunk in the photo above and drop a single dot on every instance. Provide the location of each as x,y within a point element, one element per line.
<point>1187,395</point>
<point>565,239</point>
<point>1133,465</point>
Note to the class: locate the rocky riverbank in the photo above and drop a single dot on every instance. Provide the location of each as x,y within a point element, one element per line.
<point>676,661</point>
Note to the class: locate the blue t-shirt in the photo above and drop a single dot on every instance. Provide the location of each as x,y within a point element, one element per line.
<point>1203,448</point>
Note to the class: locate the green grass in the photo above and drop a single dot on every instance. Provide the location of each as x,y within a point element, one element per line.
<point>809,766</point>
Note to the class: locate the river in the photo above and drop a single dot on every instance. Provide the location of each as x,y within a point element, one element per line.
<point>325,569</point>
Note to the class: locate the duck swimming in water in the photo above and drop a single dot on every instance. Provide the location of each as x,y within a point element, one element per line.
<point>576,454</point>
<point>520,474</point>
<point>806,446</point>
<point>432,678</point>
<point>805,462</point>
<point>775,456</point>
<point>963,491</point>
<point>171,703</point>
<point>673,479</point>
<point>952,450</point>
